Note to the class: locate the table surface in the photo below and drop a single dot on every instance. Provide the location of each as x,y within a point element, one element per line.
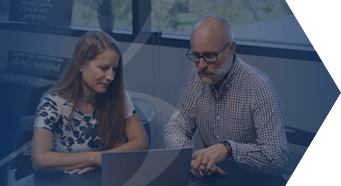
<point>92,178</point>
<point>234,176</point>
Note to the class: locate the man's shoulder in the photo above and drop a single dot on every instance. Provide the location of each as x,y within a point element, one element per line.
<point>253,74</point>
<point>257,80</point>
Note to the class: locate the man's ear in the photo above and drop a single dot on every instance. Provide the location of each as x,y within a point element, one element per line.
<point>232,48</point>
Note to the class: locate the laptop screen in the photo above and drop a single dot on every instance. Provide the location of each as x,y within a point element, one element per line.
<point>147,167</point>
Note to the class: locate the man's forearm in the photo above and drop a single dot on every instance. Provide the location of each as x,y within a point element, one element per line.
<point>178,132</point>
<point>264,158</point>
<point>174,138</point>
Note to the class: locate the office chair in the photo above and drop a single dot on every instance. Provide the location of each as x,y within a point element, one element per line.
<point>146,112</point>
<point>147,108</point>
<point>21,166</point>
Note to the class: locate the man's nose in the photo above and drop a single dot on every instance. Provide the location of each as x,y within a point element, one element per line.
<point>202,64</point>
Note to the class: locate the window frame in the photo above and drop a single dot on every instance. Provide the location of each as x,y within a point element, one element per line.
<point>141,28</point>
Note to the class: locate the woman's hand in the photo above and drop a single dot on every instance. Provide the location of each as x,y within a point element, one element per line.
<point>97,158</point>
<point>80,171</point>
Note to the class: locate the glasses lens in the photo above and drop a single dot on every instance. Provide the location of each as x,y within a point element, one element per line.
<point>193,57</point>
<point>210,58</point>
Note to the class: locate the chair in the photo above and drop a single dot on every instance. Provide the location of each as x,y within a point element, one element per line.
<point>21,166</point>
<point>146,113</point>
<point>298,142</point>
<point>158,112</point>
<point>147,108</point>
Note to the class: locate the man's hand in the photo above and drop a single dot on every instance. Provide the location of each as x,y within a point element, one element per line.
<point>203,172</point>
<point>204,161</point>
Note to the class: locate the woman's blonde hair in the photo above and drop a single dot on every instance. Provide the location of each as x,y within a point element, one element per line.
<point>109,105</point>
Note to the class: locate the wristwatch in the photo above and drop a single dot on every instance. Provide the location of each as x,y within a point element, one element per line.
<point>229,149</point>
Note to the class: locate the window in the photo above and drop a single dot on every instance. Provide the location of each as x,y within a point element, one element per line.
<point>178,16</point>
<point>4,10</point>
<point>85,14</point>
<point>260,27</point>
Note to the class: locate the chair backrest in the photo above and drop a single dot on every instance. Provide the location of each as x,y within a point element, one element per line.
<point>26,126</point>
<point>298,142</point>
<point>21,166</point>
<point>147,108</point>
<point>159,112</point>
<point>26,123</point>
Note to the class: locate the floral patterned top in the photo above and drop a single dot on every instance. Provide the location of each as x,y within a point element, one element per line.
<point>53,114</point>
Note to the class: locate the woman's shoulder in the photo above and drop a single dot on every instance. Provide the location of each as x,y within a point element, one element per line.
<point>126,97</point>
<point>55,99</point>
<point>128,104</point>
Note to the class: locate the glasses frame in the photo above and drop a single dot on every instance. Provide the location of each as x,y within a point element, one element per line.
<point>203,56</point>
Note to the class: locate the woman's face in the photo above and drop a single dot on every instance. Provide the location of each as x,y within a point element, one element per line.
<point>99,73</point>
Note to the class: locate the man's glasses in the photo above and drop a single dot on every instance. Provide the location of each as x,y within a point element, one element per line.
<point>209,58</point>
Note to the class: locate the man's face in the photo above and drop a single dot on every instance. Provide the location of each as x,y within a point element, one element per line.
<point>203,43</point>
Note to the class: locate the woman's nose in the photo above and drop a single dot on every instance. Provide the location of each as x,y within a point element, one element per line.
<point>110,76</point>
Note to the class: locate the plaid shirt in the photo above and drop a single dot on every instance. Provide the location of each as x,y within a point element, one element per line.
<point>246,112</point>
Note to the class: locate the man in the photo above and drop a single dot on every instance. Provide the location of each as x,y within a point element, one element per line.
<point>234,106</point>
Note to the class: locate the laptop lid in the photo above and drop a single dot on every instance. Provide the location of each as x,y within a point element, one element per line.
<point>147,167</point>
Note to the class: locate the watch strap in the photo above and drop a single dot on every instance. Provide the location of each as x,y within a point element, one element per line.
<point>229,149</point>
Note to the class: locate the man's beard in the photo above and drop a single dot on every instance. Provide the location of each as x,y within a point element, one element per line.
<point>209,78</point>
<point>212,78</point>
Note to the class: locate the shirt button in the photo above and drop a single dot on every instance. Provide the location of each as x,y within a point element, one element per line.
<point>218,117</point>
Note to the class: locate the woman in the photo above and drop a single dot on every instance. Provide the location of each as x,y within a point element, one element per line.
<point>87,112</point>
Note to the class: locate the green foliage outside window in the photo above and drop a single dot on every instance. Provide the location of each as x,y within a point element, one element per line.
<point>105,7</point>
<point>85,13</point>
<point>178,16</point>
<point>183,13</point>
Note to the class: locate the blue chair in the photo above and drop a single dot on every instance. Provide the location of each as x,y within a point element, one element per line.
<point>146,112</point>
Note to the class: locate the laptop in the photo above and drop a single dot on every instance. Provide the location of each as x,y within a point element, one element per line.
<point>147,167</point>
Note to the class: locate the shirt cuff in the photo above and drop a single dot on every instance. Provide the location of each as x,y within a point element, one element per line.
<point>238,152</point>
